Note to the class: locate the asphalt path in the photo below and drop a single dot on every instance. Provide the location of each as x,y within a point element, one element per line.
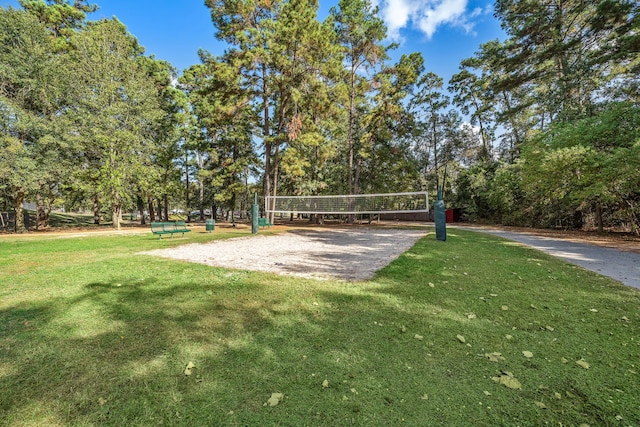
<point>619,265</point>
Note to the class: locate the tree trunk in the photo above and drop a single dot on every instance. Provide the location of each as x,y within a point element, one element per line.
<point>485,143</point>
<point>350,138</point>
<point>41,215</point>
<point>96,210</point>
<point>186,177</point>
<point>266,135</point>
<point>166,206</point>
<point>19,227</point>
<point>275,184</point>
<point>515,147</point>
<point>356,179</point>
<point>434,140</point>
<point>152,213</point>
<point>140,204</point>
<point>116,209</point>
<point>47,212</point>
<point>116,212</point>
<point>599,218</point>
<point>200,186</point>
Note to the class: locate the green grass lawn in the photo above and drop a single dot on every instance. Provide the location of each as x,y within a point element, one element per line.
<point>473,331</point>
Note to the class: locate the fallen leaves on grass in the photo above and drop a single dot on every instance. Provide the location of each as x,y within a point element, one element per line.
<point>189,368</point>
<point>508,380</point>
<point>418,337</point>
<point>325,384</point>
<point>527,354</point>
<point>494,357</point>
<point>541,405</point>
<point>275,399</point>
<point>583,363</point>
<point>461,339</point>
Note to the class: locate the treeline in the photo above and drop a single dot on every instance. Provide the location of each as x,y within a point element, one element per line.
<point>85,118</point>
<point>559,98</point>
<point>540,129</point>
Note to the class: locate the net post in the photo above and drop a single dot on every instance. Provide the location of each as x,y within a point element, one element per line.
<point>440,218</point>
<point>254,215</point>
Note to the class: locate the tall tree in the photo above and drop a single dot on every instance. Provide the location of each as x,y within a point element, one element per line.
<point>360,32</point>
<point>224,123</point>
<point>473,97</point>
<point>281,49</point>
<point>564,48</point>
<point>384,144</point>
<point>28,72</point>
<point>429,106</point>
<point>115,110</point>
<point>62,20</point>
<point>159,175</point>
<point>62,17</point>
<point>247,26</point>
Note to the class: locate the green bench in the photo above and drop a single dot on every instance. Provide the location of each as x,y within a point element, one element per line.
<point>264,222</point>
<point>171,228</point>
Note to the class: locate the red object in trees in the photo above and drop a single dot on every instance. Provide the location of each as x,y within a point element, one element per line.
<point>452,215</point>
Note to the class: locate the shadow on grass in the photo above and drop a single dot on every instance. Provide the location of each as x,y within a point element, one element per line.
<point>114,353</point>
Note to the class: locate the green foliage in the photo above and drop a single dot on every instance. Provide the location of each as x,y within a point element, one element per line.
<point>552,110</point>
<point>563,90</point>
<point>359,33</point>
<point>473,195</point>
<point>113,90</point>
<point>61,17</point>
<point>578,166</point>
<point>29,73</point>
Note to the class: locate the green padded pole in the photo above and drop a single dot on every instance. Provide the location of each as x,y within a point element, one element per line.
<point>254,215</point>
<point>440,218</point>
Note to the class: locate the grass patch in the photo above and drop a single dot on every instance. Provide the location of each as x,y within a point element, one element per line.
<point>93,334</point>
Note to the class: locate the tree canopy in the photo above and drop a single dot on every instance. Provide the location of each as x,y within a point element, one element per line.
<point>539,129</point>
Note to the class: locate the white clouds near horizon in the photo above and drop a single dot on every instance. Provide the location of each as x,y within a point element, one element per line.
<point>426,15</point>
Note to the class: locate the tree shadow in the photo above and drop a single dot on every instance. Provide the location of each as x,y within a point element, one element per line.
<point>115,353</point>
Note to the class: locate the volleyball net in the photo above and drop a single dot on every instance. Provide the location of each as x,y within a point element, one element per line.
<point>350,204</point>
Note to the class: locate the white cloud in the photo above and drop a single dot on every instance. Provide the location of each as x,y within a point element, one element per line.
<point>427,15</point>
<point>396,14</point>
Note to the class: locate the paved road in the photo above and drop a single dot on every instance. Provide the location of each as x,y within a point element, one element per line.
<point>619,265</point>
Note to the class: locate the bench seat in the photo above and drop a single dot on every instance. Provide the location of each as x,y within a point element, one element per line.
<point>171,228</point>
<point>264,222</point>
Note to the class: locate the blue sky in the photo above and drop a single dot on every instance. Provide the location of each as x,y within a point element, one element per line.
<point>444,31</point>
